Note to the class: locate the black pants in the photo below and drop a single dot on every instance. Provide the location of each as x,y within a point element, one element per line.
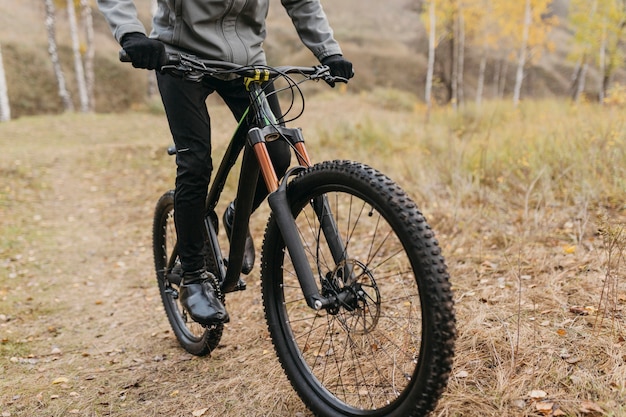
<point>190,124</point>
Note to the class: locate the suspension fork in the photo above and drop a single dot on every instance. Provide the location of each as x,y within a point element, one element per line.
<point>322,210</point>
<point>279,204</point>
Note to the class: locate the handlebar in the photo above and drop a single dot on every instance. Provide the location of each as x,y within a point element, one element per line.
<point>194,68</point>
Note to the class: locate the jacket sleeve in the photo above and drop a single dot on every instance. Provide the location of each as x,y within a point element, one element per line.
<point>121,16</point>
<point>312,26</point>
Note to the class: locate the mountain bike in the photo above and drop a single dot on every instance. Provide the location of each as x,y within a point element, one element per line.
<point>355,289</point>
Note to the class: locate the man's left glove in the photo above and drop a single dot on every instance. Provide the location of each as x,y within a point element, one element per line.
<point>144,52</point>
<point>339,66</point>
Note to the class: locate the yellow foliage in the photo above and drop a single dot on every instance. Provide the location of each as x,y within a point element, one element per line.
<point>616,96</point>
<point>495,24</point>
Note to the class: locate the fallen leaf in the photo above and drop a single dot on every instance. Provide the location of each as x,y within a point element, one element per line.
<point>60,380</point>
<point>537,393</point>
<point>589,407</point>
<point>561,332</point>
<point>569,249</point>
<point>544,408</point>
<point>521,404</point>
<point>199,412</point>
<point>578,310</point>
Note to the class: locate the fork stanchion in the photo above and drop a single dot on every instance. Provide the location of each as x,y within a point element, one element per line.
<point>257,141</point>
<point>303,156</point>
<point>265,164</point>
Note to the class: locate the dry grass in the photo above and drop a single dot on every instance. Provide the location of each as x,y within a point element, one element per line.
<point>528,205</point>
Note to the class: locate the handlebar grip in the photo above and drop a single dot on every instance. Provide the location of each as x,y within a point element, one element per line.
<point>124,57</point>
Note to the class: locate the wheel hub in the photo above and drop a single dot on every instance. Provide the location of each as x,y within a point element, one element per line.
<point>355,294</point>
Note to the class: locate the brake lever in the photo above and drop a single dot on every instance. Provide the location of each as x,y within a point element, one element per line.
<point>340,79</point>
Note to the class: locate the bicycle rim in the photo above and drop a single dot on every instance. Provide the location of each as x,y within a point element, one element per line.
<point>387,348</point>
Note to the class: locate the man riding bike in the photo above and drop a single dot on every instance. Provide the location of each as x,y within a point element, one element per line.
<point>231,31</point>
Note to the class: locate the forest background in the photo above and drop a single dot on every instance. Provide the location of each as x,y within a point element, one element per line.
<point>57,58</point>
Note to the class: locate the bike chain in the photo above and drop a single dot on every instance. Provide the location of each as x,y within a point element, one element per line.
<point>217,287</point>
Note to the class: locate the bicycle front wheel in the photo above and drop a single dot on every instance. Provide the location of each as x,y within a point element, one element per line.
<point>386,347</point>
<point>193,337</point>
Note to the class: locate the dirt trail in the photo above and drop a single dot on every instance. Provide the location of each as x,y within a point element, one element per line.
<point>83,329</point>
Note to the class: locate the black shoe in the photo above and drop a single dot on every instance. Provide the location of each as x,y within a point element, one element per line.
<point>248,255</point>
<point>199,298</point>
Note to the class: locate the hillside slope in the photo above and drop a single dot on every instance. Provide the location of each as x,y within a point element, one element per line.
<point>385,40</point>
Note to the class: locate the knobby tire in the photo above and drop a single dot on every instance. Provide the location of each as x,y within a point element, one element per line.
<point>387,349</point>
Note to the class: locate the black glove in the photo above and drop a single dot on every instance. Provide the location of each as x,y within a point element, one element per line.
<point>339,67</point>
<point>144,52</point>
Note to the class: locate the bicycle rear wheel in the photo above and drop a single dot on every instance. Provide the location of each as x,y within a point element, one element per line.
<point>387,348</point>
<point>193,337</point>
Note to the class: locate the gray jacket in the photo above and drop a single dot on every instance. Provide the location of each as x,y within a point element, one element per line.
<point>226,30</point>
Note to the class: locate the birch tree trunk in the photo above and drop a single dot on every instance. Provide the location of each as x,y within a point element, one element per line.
<point>519,77</point>
<point>90,52</point>
<point>502,78</point>
<point>431,55</point>
<point>78,60</point>
<point>454,73</point>
<point>461,58</point>
<point>496,77</point>
<point>5,110</point>
<point>68,105</point>
<point>579,79</point>
<point>601,92</point>
<point>581,82</point>
<point>480,84</point>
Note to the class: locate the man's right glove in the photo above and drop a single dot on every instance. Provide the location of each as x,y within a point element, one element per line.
<point>144,52</point>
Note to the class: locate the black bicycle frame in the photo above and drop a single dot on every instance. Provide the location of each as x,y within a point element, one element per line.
<point>265,128</point>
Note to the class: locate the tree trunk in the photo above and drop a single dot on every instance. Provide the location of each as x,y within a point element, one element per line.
<point>54,57</point>
<point>454,68</point>
<point>499,80</point>
<point>480,84</point>
<point>90,52</point>
<point>575,77</point>
<point>579,79</point>
<point>601,90</point>
<point>431,56</point>
<point>496,77</point>
<point>5,110</point>
<point>504,70</point>
<point>519,77</point>
<point>461,58</point>
<point>78,60</point>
